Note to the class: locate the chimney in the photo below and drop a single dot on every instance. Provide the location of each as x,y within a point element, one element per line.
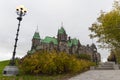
<point>69,38</point>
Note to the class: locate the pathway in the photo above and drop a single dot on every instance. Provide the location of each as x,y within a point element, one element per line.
<point>98,75</point>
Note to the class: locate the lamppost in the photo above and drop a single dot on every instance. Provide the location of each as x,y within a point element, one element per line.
<point>12,69</point>
<point>20,12</point>
<point>95,56</point>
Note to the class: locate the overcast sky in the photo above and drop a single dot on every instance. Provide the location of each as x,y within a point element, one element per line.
<point>76,15</point>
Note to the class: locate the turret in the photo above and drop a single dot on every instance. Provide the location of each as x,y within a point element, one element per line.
<point>94,48</point>
<point>62,36</point>
<point>35,40</point>
<point>94,54</point>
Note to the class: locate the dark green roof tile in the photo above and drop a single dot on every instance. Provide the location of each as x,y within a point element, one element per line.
<point>49,40</point>
<point>74,42</point>
<point>69,43</point>
<point>36,35</point>
<point>61,31</point>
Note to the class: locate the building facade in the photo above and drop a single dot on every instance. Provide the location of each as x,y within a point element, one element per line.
<point>63,43</point>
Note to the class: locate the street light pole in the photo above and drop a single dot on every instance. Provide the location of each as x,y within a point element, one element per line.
<point>12,69</point>
<point>12,62</point>
<point>20,12</point>
<point>95,56</point>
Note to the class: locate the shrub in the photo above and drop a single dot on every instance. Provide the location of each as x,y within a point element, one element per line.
<point>84,57</point>
<point>52,63</point>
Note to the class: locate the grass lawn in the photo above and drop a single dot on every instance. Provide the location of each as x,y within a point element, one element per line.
<point>29,77</point>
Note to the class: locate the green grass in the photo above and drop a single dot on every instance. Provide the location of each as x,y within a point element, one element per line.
<point>29,77</point>
<point>2,65</point>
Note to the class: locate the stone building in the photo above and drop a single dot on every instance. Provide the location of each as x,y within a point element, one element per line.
<point>63,43</point>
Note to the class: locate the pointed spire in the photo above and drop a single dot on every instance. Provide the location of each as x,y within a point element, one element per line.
<point>36,34</point>
<point>37,29</point>
<point>61,24</point>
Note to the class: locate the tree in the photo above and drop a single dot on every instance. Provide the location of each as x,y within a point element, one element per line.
<point>107,28</point>
<point>114,55</point>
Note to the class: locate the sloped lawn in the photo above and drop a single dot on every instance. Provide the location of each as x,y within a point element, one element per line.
<point>28,77</point>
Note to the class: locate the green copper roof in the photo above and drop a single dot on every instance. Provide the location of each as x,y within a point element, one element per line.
<point>36,35</point>
<point>73,42</point>
<point>69,43</point>
<point>61,31</point>
<point>49,40</point>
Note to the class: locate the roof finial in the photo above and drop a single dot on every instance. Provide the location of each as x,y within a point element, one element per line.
<point>37,29</point>
<point>61,24</point>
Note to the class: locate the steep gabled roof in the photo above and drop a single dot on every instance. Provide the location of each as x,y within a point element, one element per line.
<point>69,43</point>
<point>49,40</point>
<point>74,42</point>
<point>61,31</point>
<point>36,35</point>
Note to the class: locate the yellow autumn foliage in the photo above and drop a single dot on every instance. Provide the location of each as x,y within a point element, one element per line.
<point>52,63</point>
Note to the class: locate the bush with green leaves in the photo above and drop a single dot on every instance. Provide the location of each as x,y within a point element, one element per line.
<point>52,63</point>
<point>84,57</point>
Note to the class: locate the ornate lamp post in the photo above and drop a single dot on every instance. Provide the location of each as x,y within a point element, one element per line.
<point>20,12</point>
<point>12,70</point>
